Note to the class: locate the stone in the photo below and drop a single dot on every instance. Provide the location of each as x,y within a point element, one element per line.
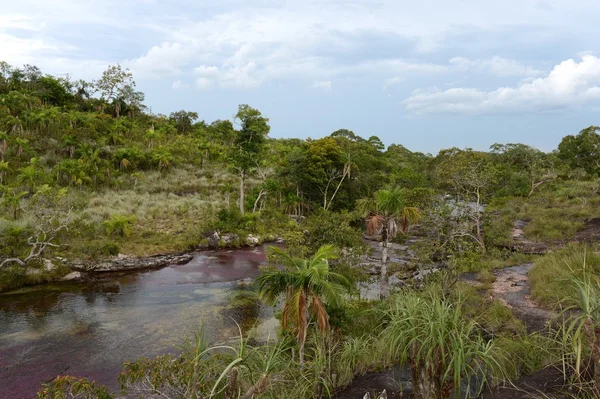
<point>73,276</point>
<point>152,262</point>
<point>213,239</point>
<point>48,265</point>
<point>228,239</point>
<point>32,272</point>
<point>252,241</point>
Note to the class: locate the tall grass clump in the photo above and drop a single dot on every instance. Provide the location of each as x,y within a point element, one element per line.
<point>119,225</point>
<point>552,276</point>
<point>446,352</point>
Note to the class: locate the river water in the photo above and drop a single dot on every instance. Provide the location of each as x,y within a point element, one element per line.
<point>91,329</point>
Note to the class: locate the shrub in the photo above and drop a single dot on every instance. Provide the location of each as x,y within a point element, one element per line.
<point>552,274</point>
<point>119,225</point>
<point>444,349</point>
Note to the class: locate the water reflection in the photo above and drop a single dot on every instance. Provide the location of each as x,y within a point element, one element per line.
<point>90,330</point>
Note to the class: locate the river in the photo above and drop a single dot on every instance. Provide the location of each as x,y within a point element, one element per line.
<point>90,329</point>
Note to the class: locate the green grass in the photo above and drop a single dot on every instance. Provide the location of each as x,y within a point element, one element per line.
<point>552,274</point>
<point>555,213</point>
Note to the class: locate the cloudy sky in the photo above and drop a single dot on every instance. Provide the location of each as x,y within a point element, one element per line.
<point>428,75</point>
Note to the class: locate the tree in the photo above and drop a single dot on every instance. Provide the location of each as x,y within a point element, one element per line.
<point>4,169</point>
<point>536,165</point>
<point>3,144</point>
<point>249,143</point>
<point>446,352</point>
<point>29,174</point>
<point>308,285</point>
<point>582,151</point>
<point>470,175</point>
<point>322,167</point>
<point>51,215</point>
<point>116,85</point>
<point>183,120</point>
<point>384,212</point>
<point>12,200</point>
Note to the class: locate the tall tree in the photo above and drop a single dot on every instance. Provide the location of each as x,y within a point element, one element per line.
<point>582,151</point>
<point>249,143</point>
<point>308,285</point>
<point>117,85</point>
<point>386,214</point>
<point>471,175</point>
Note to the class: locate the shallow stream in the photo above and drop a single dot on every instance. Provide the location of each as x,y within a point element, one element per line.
<point>90,329</point>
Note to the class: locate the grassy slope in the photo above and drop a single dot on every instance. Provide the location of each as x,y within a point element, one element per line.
<point>554,214</point>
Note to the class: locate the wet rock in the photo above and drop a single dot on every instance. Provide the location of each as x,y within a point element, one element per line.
<point>73,276</point>
<point>252,241</point>
<point>48,265</point>
<point>521,244</point>
<point>32,271</point>
<point>130,263</point>
<point>228,239</point>
<point>213,239</point>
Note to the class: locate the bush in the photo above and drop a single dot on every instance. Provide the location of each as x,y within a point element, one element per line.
<point>119,225</point>
<point>552,275</point>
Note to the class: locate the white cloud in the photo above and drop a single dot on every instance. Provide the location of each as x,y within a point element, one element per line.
<point>496,65</point>
<point>569,84</point>
<point>324,85</point>
<point>163,60</point>
<point>177,84</point>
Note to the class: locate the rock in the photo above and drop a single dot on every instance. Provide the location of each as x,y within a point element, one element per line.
<point>280,240</point>
<point>213,239</point>
<point>32,272</point>
<point>48,265</point>
<point>73,276</point>
<point>252,241</point>
<point>153,262</point>
<point>228,238</point>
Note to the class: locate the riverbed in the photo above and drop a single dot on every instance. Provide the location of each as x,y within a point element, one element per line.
<point>90,329</point>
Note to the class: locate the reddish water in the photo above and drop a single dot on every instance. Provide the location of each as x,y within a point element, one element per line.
<point>91,329</point>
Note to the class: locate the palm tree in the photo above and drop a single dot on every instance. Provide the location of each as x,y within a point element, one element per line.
<point>307,285</point>
<point>164,158</point>
<point>3,144</point>
<point>384,212</point>
<point>12,200</point>
<point>29,174</point>
<point>23,147</point>
<point>151,135</point>
<point>4,169</point>
<point>69,143</point>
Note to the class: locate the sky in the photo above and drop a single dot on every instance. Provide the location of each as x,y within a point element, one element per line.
<point>428,75</point>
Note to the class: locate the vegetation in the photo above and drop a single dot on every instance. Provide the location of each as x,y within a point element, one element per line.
<point>87,173</point>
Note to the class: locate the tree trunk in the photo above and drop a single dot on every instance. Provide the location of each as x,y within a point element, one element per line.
<point>424,382</point>
<point>478,222</point>
<point>383,283</point>
<point>593,337</point>
<point>257,388</point>
<point>260,194</point>
<point>242,177</point>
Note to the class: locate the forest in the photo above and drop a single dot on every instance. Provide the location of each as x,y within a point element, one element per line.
<point>383,258</point>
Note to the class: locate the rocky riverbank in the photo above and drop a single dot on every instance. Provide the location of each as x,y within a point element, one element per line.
<point>69,270</point>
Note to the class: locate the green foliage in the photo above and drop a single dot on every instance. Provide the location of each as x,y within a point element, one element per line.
<point>443,348</point>
<point>119,225</point>
<point>72,388</point>
<point>582,151</point>
<point>552,276</point>
<point>250,139</point>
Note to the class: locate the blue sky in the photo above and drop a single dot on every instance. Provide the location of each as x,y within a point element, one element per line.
<point>427,75</point>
